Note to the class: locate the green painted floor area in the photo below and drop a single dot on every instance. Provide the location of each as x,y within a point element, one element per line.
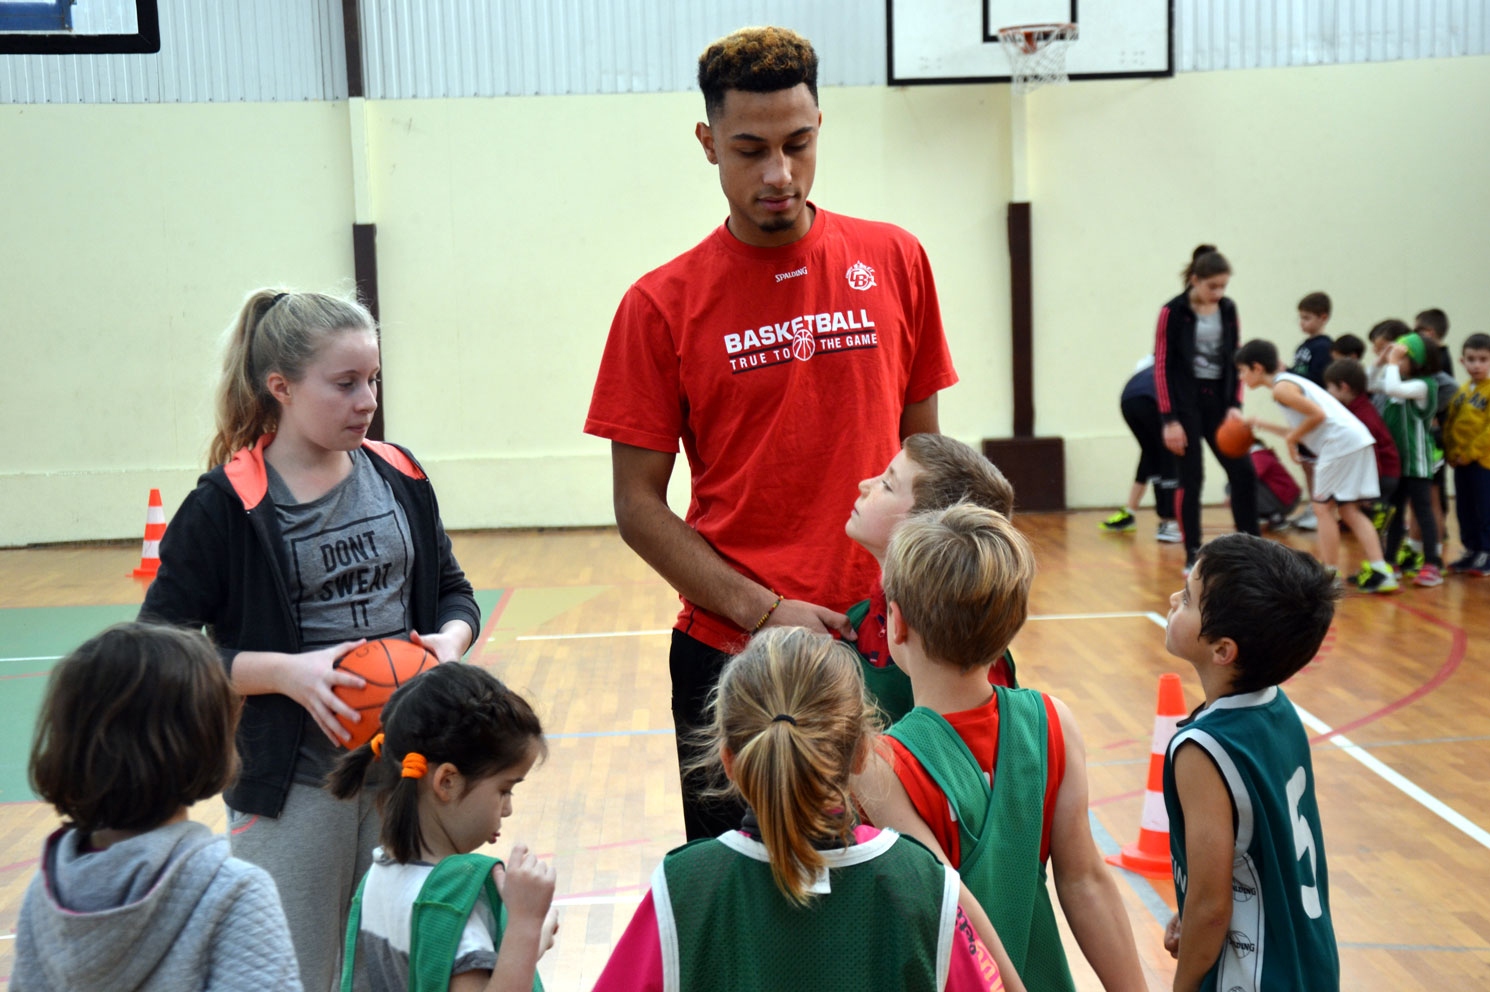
<point>32,640</point>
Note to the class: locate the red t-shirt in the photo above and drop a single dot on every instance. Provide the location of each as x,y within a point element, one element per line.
<point>1388,464</point>
<point>784,371</point>
<point>979,730</point>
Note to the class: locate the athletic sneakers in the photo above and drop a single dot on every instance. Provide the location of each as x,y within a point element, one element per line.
<point>1305,520</point>
<point>1370,580</point>
<point>1409,560</point>
<point>1169,532</point>
<point>1428,575</point>
<point>1480,568</point>
<point>1120,522</point>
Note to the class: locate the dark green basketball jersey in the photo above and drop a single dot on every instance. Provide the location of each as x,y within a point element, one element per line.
<point>1281,937</point>
<point>883,917</point>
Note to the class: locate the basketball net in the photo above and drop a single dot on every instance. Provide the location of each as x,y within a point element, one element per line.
<point>1037,54</point>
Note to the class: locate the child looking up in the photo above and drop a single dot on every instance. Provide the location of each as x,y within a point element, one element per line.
<point>1467,434</point>
<point>1346,381</point>
<point>800,897</point>
<point>1403,374</point>
<point>931,472</point>
<point>455,743</point>
<point>136,726</point>
<point>958,582</point>
<point>1238,779</point>
<point>1346,470</point>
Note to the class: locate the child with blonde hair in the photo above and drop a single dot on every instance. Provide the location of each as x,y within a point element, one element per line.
<point>958,583</point>
<point>801,896</point>
<point>137,725</point>
<point>430,914</point>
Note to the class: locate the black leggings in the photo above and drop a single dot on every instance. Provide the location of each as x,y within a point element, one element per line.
<point>1202,422</point>
<point>695,669</point>
<point>1155,462</point>
<point>1420,492</point>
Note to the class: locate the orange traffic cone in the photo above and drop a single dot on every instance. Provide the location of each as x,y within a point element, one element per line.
<point>1150,856</point>
<point>155,529</point>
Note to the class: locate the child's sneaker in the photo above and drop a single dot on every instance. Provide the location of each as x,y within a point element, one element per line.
<point>1481,566</point>
<point>1428,575</point>
<point>1120,522</point>
<point>1305,520</point>
<point>1463,563</point>
<point>1381,515</point>
<point>1371,580</point>
<point>1409,560</point>
<point>1169,532</point>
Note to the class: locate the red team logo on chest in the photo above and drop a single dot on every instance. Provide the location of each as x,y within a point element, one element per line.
<point>859,276</point>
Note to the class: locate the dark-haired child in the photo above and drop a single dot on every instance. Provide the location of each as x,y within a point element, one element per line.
<point>957,581</point>
<point>455,743</point>
<point>1403,374</point>
<point>1346,381</point>
<point>801,896</point>
<point>1467,437</point>
<point>1309,362</point>
<point>1433,325</point>
<point>1348,346</point>
<point>1346,471</point>
<point>1244,831</point>
<point>931,472</point>
<point>137,725</point>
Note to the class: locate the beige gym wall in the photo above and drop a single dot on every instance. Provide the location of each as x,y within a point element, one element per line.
<point>508,230</point>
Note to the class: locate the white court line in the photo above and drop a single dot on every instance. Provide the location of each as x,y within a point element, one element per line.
<point>651,633</point>
<point>1394,778</point>
<point>35,657</point>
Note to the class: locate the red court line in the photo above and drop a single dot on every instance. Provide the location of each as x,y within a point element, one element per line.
<point>601,892</point>
<point>21,864</point>
<point>491,625</point>
<point>1457,650</point>
<point>23,675</point>
<point>619,843</point>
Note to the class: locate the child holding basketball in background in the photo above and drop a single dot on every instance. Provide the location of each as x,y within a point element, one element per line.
<point>1345,473</point>
<point>931,472</point>
<point>957,581</point>
<point>1309,362</point>
<point>1467,438</point>
<point>302,540</point>
<point>800,897</point>
<point>1403,374</point>
<point>1244,832</point>
<point>1345,379</point>
<point>455,743</point>
<point>137,725</point>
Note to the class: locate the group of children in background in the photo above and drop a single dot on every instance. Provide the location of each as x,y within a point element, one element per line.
<point>1372,441</point>
<point>909,858</point>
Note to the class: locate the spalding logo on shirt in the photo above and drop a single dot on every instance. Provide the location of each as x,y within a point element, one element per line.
<point>801,337</point>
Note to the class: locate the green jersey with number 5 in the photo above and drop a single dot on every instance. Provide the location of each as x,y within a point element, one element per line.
<point>1280,937</point>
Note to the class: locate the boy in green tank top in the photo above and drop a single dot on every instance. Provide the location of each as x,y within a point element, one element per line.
<point>931,472</point>
<point>1244,831</point>
<point>1009,762</point>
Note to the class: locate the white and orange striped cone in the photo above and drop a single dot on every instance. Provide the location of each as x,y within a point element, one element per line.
<point>155,529</point>
<point>1150,856</point>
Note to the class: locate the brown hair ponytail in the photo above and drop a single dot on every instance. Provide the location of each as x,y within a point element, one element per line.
<point>791,710</point>
<point>1205,261</point>
<point>275,332</point>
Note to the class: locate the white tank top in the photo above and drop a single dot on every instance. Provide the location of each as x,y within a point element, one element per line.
<point>1340,434</point>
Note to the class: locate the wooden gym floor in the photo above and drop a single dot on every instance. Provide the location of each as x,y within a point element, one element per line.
<point>577,623</point>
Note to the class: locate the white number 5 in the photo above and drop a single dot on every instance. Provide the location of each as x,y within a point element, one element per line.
<point>1303,843</point>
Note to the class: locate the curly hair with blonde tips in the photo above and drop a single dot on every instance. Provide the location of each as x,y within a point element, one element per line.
<point>961,579</point>
<point>792,713</point>
<point>756,60</point>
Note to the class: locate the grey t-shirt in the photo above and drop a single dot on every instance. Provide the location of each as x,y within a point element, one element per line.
<point>350,558</point>
<point>1208,345</point>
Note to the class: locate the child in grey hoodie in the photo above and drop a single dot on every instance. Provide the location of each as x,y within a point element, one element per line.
<point>136,726</point>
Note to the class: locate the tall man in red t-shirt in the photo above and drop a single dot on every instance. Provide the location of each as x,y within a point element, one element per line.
<point>790,351</point>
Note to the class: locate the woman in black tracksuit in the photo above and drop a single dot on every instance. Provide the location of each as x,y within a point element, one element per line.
<point>1196,379</point>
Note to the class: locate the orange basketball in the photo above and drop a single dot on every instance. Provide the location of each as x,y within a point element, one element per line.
<point>385,665</point>
<point>1234,437</point>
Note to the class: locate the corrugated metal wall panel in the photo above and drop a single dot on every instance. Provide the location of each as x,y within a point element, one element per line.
<point>421,48</point>
<point>210,51</point>
<point>1252,34</point>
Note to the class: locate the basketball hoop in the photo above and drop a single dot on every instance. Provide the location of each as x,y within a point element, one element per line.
<point>1037,54</point>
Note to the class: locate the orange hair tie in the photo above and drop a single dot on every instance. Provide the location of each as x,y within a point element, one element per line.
<point>414,765</point>
<point>377,746</point>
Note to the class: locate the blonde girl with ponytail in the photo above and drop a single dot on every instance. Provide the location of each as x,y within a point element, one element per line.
<point>303,540</point>
<point>802,895</point>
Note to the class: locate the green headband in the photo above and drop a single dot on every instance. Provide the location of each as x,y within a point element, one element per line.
<point>1415,347</point>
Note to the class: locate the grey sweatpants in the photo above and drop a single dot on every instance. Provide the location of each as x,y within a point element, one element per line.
<point>316,850</point>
